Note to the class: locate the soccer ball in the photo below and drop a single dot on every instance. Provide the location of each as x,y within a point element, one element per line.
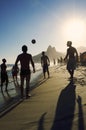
<point>33,41</point>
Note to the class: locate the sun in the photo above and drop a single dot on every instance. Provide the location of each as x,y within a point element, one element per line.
<point>74,30</point>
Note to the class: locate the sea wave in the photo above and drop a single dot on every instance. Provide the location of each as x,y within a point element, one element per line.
<point>33,76</point>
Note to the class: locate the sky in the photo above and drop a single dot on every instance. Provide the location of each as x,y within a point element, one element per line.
<point>49,22</point>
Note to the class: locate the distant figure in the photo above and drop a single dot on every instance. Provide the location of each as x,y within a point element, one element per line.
<point>25,73</point>
<point>54,61</point>
<point>45,62</point>
<point>4,76</point>
<point>72,56</point>
<point>58,60</point>
<point>15,71</point>
<point>61,59</point>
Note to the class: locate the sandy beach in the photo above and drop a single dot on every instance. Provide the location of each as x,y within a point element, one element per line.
<point>56,104</point>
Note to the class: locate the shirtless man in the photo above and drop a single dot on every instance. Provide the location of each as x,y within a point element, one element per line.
<point>45,62</point>
<point>73,58</point>
<point>25,72</point>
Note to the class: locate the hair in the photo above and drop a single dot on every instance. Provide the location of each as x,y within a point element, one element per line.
<point>69,43</point>
<point>4,60</point>
<point>24,48</point>
<point>43,52</point>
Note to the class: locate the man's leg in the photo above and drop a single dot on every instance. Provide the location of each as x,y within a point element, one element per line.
<point>44,71</point>
<point>22,86</point>
<point>2,81</point>
<point>1,86</point>
<point>6,82</point>
<point>71,72</point>
<point>27,85</point>
<point>48,72</point>
<point>44,75</point>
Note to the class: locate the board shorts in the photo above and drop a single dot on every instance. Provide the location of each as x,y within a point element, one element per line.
<point>71,64</point>
<point>4,77</point>
<point>45,68</point>
<point>25,72</point>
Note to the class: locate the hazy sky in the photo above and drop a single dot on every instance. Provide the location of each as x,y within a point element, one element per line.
<point>50,22</point>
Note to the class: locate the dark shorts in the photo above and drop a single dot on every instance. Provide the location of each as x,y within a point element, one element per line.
<point>71,65</point>
<point>14,73</point>
<point>45,68</point>
<point>4,77</point>
<point>25,72</point>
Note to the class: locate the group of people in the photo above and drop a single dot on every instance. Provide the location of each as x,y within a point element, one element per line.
<point>4,75</point>
<point>26,59</point>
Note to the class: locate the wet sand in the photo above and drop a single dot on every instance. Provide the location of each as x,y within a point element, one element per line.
<point>56,104</point>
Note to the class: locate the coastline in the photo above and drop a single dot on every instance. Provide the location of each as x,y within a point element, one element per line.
<point>7,99</point>
<point>12,96</point>
<point>56,103</point>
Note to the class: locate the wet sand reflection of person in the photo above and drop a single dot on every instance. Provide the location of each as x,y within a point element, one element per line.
<point>4,76</point>
<point>25,60</point>
<point>73,59</point>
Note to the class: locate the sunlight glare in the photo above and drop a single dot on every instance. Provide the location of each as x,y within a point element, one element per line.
<point>74,30</point>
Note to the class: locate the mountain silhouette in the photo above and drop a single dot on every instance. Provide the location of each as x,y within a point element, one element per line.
<point>50,52</point>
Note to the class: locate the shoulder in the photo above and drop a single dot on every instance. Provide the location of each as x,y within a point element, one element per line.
<point>19,55</point>
<point>74,48</point>
<point>46,56</point>
<point>24,54</point>
<point>29,55</point>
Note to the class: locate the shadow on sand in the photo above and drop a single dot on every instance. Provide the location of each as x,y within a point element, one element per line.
<point>80,114</point>
<point>65,108</point>
<point>41,122</point>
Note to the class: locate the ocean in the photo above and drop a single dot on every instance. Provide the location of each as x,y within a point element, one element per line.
<point>13,90</point>
<point>33,75</point>
<point>9,97</point>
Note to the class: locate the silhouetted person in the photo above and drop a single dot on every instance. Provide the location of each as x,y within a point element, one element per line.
<point>25,73</point>
<point>58,60</point>
<point>72,56</point>
<point>61,60</point>
<point>15,71</point>
<point>4,76</point>
<point>45,62</point>
<point>54,61</point>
